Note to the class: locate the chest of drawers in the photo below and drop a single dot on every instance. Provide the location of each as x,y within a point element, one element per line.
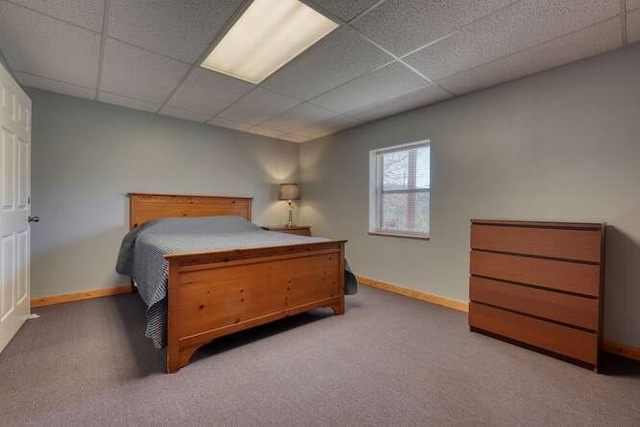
<point>539,284</point>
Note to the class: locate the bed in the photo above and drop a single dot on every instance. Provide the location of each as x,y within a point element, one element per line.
<point>219,291</point>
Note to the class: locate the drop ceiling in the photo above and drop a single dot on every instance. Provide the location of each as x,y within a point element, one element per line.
<point>386,57</point>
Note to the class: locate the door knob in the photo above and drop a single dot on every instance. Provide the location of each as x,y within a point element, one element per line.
<point>33,219</point>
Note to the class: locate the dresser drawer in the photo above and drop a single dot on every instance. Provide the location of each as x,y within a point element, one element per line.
<point>570,309</point>
<point>579,245</point>
<point>573,343</point>
<point>566,276</point>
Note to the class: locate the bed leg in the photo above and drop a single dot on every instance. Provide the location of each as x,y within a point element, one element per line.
<point>338,306</point>
<point>179,358</point>
<point>173,359</point>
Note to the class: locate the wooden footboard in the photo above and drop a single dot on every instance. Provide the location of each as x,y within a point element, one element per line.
<point>217,293</point>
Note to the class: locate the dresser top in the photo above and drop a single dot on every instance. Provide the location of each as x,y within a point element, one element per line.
<point>542,224</point>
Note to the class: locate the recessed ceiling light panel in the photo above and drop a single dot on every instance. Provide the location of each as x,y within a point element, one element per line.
<point>269,34</point>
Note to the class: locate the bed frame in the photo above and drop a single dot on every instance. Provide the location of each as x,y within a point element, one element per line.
<point>212,294</point>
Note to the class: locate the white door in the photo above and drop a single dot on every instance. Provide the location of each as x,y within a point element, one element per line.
<point>15,206</point>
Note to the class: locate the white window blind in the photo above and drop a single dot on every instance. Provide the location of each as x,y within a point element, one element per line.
<point>400,189</point>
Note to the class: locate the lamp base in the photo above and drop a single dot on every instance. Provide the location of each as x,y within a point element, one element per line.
<point>290,223</point>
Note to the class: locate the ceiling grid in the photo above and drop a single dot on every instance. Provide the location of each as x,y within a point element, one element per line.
<point>386,57</point>
<point>103,41</point>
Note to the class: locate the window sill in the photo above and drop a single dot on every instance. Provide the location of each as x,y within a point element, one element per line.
<point>402,235</point>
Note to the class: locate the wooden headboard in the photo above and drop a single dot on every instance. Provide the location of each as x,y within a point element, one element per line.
<point>145,207</point>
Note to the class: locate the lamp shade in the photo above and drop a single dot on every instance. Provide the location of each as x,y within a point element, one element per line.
<point>289,192</point>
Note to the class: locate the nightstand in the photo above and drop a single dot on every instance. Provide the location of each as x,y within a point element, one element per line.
<point>302,230</point>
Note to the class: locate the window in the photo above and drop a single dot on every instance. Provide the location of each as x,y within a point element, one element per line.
<point>400,185</point>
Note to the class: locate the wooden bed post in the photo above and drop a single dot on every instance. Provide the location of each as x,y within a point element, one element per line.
<point>173,345</point>
<point>338,306</point>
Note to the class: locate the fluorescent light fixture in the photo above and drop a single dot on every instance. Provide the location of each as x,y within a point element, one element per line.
<point>269,34</point>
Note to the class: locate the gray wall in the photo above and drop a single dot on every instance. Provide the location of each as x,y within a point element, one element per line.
<point>3,61</point>
<point>5,64</point>
<point>560,145</point>
<point>87,155</point>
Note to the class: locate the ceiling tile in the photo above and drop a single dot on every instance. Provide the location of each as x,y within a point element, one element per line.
<point>258,106</point>
<point>298,117</point>
<point>581,44</point>
<point>333,125</point>
<point>335,60</point>
<point>208,92</point>
<point>180,29</point>
<point>294,137</point>
<point>633,26</point>
<point>55,86</point>
<point>264,131</point>
<point>183,114</point>
<point>37,44</point>
<point>387,82</point>
<point>86,13</point>
<point>231,124</point>
<point>345,10</point>
<point>522,25</point>
<point>124,101</point>
<point>405,25</point>
<point>137,73</point>
<point>633,4</point>
<point>418,98</point>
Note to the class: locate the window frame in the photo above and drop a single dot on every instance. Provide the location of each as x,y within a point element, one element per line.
<point>376,191</point>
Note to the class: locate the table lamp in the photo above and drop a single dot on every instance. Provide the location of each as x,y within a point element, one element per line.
<point>289,192</point>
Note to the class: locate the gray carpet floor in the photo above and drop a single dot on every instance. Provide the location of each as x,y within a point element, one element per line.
<point>389,361</point>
